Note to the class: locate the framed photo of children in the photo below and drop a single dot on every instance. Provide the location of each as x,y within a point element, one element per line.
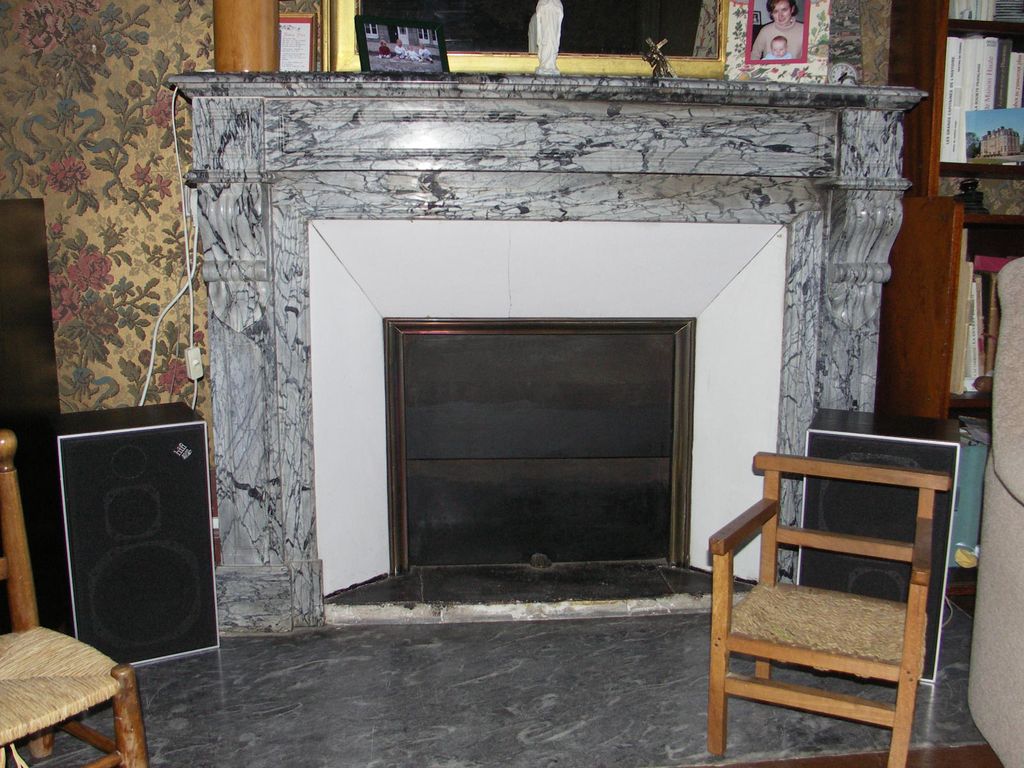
<point>395,45</point>
<point>777,40</point>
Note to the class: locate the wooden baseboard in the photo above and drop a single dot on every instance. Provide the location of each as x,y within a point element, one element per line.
<point>966,756</point>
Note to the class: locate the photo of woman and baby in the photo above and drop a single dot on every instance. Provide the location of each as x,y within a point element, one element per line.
<point>784,38</point>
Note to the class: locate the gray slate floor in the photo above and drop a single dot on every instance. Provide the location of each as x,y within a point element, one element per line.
<point>568,693</point>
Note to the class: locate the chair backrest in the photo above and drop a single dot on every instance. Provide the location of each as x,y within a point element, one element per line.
<point>15,565</point>
<point>917,554</point>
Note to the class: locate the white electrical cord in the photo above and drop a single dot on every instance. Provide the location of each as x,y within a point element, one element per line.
<point>188,216</point>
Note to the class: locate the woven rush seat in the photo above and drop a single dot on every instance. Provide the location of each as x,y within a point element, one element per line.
<point>823,620</point>
<point>45,678</point>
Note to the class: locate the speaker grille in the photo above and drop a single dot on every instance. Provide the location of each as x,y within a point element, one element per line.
<point>137,516</point>
<point>842,506</point>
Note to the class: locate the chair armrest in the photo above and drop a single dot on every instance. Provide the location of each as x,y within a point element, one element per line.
<point>744,527</point>
<point>921,565</point>
<point>852,470</point>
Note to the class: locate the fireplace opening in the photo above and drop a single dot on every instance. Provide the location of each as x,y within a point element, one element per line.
<point>538,440</point>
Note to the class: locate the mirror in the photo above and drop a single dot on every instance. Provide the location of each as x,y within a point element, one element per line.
<point>599,37</point>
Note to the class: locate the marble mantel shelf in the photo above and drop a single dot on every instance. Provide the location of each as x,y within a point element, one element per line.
<point>616,89</point>
<point>272,152</point>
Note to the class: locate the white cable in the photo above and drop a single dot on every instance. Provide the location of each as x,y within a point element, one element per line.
<point>191,250</point>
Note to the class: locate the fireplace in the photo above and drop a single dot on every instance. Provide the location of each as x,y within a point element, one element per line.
<point>729,278</point>
<point>305,175</point>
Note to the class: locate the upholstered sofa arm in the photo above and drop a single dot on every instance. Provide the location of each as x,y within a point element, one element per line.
<point>1007,405</point>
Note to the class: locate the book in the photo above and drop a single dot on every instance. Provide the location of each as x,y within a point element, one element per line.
<point>952,105</point>
<point>989,57</point>
<point>963,290</point>
<point>984,263</point>
<point>973,72</point>
<point>990,327</point>
<point>1015,82</point>
<point>1008,10</point>
<point>972,352</point>
<point>994,136</point>
<point>1002,74</point>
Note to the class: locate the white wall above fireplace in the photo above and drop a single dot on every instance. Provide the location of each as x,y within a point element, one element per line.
<point>730,277</point>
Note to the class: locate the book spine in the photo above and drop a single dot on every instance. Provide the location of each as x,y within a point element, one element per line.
<point>983,263</point>
<point>1015,99</point>
<point>1002,72</point>
<point>957,363</point>
<point>972,363</point>
<point>952,107</point>
<point>989,68</point>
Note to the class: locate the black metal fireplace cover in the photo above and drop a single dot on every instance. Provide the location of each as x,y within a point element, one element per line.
<point>512,438</point>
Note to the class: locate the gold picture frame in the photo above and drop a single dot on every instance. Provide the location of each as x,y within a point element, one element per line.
<point>338,43</point>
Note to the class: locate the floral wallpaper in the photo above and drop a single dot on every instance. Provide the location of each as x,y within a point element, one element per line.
<point>87,123</point>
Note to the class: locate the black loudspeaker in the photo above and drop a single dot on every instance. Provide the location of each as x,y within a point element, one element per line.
<point>864,509</point>
<point>136,496</point>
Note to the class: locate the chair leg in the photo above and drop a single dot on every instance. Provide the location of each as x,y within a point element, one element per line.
<point>41,745</point>
<point>721,616</point>
<point>718,704</point>
<point>910,675</point>
<point>903,722</point>
<point>129,732</point>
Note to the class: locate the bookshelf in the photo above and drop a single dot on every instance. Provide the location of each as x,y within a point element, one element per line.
<point>918,59</point>
<point>918,315</point>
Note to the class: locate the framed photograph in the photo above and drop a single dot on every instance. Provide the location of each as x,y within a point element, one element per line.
<point>791,44</point>
<point>396,45</point>
<point>994,136</point>
<point>298,42</point>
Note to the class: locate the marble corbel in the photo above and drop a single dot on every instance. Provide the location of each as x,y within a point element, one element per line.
<point>865,219</point>
<point>235,264</point>
<point>865,214</point>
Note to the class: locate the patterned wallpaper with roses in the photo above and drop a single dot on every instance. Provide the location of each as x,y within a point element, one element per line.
<point>87,124</point>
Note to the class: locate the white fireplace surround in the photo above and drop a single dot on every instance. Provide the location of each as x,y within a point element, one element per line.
<point>299,173</point>
<point>729,277</point>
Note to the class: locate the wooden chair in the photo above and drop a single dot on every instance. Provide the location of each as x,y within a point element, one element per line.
<point>47,678</point>
<point>821,629</point>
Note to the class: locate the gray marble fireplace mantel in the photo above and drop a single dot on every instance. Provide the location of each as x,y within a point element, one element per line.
<point>273,152</point>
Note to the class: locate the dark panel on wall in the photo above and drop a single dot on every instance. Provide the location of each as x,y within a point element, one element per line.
<point>29,399</point>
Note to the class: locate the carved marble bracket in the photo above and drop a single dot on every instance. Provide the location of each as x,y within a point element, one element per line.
<point>235,259</point>
<point>864,223</point>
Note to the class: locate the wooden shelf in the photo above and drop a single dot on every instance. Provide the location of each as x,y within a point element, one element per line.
<point>968,401</point>
<point>981,170</point>
<point>994,28</point>
<point>977,220</point>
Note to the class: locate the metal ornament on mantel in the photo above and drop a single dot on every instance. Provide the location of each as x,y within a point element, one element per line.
<point>657,59</point>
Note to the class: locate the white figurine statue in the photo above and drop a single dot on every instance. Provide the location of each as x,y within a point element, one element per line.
<point>546,29</point>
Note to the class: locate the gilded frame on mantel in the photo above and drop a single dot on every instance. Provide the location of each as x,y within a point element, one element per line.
<point>338,41</point>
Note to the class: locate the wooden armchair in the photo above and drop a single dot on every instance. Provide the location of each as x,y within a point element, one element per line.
<point>46,677</point>
<point>817,628</point>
